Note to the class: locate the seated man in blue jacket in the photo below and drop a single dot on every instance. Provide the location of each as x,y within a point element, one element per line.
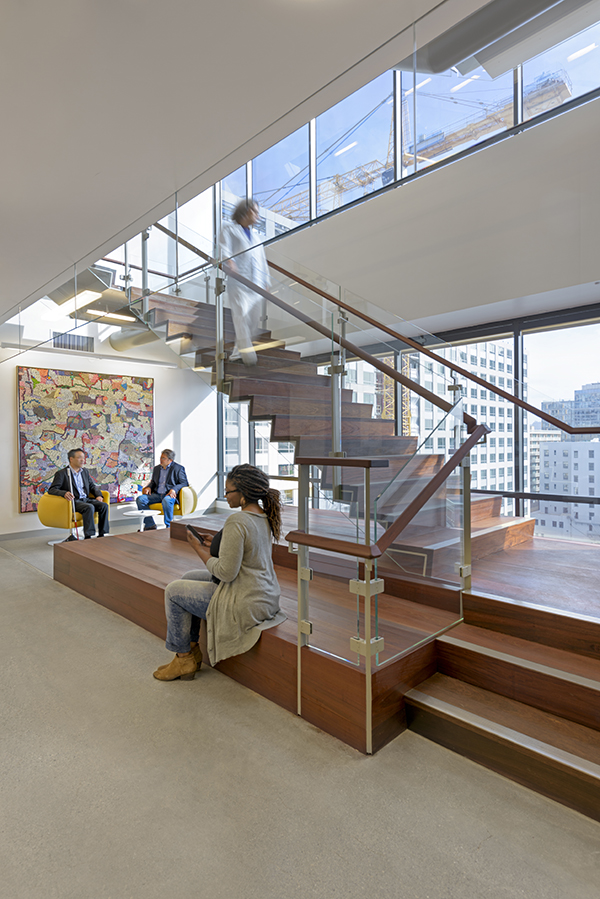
<point>167,480</point>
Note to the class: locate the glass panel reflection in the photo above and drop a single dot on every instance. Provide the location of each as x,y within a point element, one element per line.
<point>280,184</point>
<point>570,69</point>
<point>355,145</point>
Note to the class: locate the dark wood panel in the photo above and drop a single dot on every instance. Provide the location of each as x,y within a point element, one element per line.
<point>524,683</point>
<point>390,684</point>
<point>269,668</point>
<point>516,763</point>
<point>333,697</point>
<point>564,631</point>
<point>142,609</point>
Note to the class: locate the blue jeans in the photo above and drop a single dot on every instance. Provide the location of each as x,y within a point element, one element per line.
<point>168,503</point>
<point>186,602</point>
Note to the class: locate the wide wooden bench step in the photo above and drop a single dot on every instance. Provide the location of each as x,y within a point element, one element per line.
<point>533,621</point>
<point>559,682</point>
<point>555,757</point>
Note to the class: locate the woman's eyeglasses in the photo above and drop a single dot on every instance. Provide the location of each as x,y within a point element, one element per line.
<point>227,492</point>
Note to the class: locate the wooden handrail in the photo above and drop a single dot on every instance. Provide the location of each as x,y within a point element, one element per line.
<point>356,351</point>
<point>539,413</point>
<point>430,488</point>
<point>375,550</point>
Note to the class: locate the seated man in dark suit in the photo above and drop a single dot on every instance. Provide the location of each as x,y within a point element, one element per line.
<point>75,483</point>
<point>167,480</point>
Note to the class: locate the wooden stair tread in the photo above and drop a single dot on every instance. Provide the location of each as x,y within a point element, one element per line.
<point>555,733</point>
<point>538,653</point>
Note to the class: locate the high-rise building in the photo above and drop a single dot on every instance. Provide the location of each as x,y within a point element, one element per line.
<point>569,468</point>
<point>582,412</point>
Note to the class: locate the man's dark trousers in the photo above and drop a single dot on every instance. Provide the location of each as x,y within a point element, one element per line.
<point>86,509</point>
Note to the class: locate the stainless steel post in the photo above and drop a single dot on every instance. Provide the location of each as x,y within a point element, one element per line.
<point>337,372</point>
<point>304,578</point>
<point>466,527</point>
<point>145,290</point>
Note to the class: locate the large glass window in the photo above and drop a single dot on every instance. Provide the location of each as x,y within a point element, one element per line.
<point>280,184</point>
<point>570,69</point>
<point>355,147</point>
<point>454,111</point>
<point>233,189</point>
<point>195,222</point>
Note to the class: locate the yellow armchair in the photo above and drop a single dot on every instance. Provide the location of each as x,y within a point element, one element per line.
<point>187,500</point>
<point>57,512</point>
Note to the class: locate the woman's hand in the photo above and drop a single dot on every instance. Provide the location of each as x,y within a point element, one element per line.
<point>199,547</point>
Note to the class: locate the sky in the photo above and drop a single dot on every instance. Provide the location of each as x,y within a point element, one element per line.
<point>560,362</point>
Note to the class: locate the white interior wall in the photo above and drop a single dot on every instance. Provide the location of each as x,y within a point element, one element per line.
<point>507,231</point>
<point>184,420</point>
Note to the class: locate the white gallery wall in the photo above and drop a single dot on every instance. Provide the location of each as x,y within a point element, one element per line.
<point>184,420</point>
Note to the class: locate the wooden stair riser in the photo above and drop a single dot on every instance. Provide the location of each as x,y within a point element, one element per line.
<point>574,633</point>
<point>254,372</point>
<point>357,446</point>
<point>287,427</point>
<point>501,751</point>
<point>403,469</point>
<point>246,388</point>
<point>267,406</point>
<point>271,364</point>
<point>554,691</point>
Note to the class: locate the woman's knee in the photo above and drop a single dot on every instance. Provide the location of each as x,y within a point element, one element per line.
<point>197,574</point>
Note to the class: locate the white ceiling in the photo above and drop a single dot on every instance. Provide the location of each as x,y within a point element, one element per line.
<point>109,107</point>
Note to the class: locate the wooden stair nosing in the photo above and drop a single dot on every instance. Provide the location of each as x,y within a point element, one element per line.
<point>552,689</point>
<point>566,777</point>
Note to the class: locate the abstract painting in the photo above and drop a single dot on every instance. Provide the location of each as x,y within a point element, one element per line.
<point>111,417</point>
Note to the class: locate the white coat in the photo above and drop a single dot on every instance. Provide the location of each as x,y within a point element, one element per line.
<point>250,261</point>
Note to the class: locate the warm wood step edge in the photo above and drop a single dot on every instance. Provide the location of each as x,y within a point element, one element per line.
<point>560,758</point>
<point>524,663</point>
<point>567,630</point>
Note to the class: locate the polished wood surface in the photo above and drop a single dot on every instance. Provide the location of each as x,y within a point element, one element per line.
<point>128,574</point>
<point>562,630</point>
<point>561,574</point>
<point>558,758</point>
<point>556,681</point>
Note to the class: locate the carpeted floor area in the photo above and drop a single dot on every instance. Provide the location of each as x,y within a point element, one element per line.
<point>117,786</point>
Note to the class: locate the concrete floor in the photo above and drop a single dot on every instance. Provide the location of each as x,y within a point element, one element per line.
<point>117,786</point>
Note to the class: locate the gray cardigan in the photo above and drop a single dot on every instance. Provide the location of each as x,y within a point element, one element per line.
<point>246,602</point>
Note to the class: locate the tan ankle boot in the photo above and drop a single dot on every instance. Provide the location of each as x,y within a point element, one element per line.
<point>183,667</point>
<point>196,652</point>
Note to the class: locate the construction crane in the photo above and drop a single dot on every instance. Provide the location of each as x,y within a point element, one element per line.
<point>545,93</point>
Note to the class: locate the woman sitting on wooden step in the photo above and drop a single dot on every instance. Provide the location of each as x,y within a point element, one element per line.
<point>239,594</point>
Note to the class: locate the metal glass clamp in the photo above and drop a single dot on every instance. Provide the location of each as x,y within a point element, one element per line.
<point>377,585</point>
<point>357,644</point>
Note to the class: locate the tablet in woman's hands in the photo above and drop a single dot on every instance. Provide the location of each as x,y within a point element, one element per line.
<point>205,539</point>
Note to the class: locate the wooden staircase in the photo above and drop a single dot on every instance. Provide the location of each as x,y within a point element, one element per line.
<point>513,687</point>
<point>526,709</point>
